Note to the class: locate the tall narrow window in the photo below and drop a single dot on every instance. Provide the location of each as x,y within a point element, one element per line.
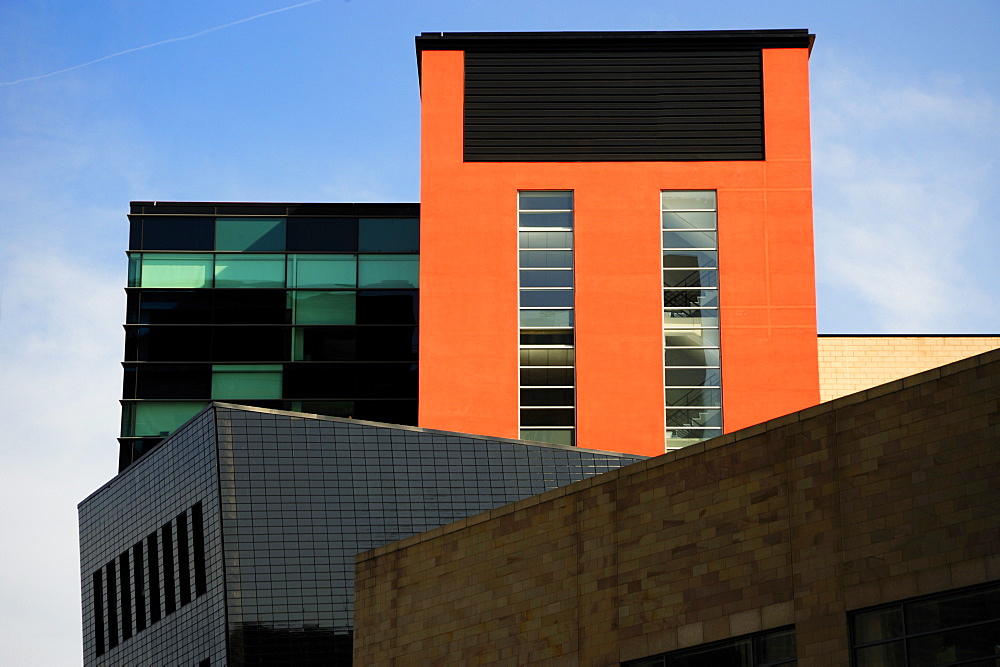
<point>112,605</point>
<point>98,613</point>
<point>153,556</point>
<point>169,586</point>
<point>692,375</point>
<point>198,538</point>
<point>183,559</point>
<point>124,575</point>
<point>140,587</point>
<point>547,366</point>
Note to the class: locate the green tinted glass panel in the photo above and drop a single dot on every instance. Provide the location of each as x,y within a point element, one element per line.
<point>170,270</point>
<point>161,419</point>
<point>322,271</point>
<point>390,271</point>
<point>323,307</point>
<point>685,200</point>
<point>249,271</point>
<point>388,235</point>
<point>250,234</point>
<point>242,381</point>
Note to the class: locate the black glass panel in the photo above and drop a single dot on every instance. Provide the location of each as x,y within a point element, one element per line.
<point>685,278</point>
<point>951,646</point>
<point>322,234</point>
<point>168,343</point>
<point>391,412</point>
<point>963,609</point>
<point>134,234</point>
<point>251,344</point>
<point>169,307</point>
<point>387,344</point>
<point>252,306</point>
<point>348,381</point>
<point>547,417</point>
<point>562,357</point>
<point>547,337</point>
<point>387,307</point>
<point>734,654</point>
<point>547,397</point>
<point>389,235</point>
<point>180,233</point>
<point>327,344</point>
<point>693,377</point>
<point>303,381</point>
<point>387,380</point>
<point>547,377</point>
<point>190,381</point>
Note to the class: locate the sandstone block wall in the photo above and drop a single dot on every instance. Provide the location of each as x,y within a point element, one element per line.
<point>851,363</point>
<point>876,497</point>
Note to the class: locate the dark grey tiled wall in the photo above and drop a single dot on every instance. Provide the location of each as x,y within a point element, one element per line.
<point>293,499</point>
<point>125,512</point>
<point>301,497</point>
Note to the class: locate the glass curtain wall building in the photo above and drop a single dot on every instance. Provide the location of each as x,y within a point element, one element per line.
<point>305,307</point>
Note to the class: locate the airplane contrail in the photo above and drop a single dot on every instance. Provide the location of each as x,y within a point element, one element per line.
<point>160,43</point>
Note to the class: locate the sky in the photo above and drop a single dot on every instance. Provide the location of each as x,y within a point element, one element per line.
<point>110,101</point>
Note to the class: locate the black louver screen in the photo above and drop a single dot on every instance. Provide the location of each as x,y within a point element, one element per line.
<point>613,106</point>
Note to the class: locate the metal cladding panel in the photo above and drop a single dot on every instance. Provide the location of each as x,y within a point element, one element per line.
<point>302,496</point>
<point>613,105</point>
<point>151,558</point>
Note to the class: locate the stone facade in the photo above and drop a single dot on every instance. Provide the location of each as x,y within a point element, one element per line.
<point>879,496</point>
<point>852,363</point>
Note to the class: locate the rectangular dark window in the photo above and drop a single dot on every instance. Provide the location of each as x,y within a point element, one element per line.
<point>153,561</point>
<point>169,585</point>
<point>112,605</point>
<point>124,572</point>
<point>183,559</point>
<point>198,537</point>
<point>140,587</point>
<point>169,307</point>
<point>959,627</point>
<point>763,649</point>
<point>180,233</point>
<point>98,614</point>
<point>322,234</point>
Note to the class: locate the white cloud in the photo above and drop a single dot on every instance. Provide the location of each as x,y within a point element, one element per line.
<point>60,341</point>
<point>903,178</point>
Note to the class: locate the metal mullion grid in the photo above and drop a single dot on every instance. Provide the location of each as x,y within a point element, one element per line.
<point>693,326</point>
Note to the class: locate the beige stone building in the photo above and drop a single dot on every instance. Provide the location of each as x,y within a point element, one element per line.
<point>848,364</point>
<point>807,538</point>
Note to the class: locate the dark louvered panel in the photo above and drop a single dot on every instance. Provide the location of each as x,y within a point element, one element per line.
<point>622,105</point>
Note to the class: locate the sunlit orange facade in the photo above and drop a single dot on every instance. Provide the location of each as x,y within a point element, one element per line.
<point>469,271</point>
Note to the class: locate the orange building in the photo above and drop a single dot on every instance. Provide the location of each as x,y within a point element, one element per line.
<point>615,228</point>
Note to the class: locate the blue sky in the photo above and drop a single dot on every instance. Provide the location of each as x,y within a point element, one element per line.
<point>319,102</point>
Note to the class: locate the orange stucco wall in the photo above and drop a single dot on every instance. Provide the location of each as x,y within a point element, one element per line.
<point>469,321</point>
